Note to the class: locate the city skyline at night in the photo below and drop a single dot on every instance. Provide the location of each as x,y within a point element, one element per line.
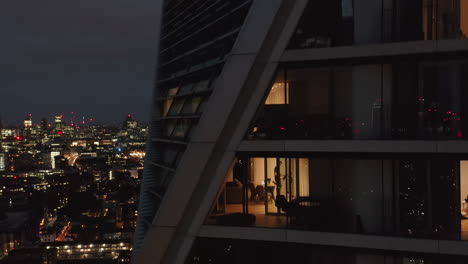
<point>69,189</point>
<point>69,118</point>
<point>112,117</point>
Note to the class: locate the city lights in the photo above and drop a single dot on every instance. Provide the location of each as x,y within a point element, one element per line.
<point>83,180</point>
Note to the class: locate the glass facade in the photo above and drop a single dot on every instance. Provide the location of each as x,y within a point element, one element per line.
<point>407,196</point>
<point>231,251</point>
<point>356,22</point>
<point>196,37</point>
<point>404,99</point>
<point>401,97</point>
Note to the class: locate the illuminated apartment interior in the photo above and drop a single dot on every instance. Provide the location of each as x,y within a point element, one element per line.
<point>464,198</point>
<point>409,197</point>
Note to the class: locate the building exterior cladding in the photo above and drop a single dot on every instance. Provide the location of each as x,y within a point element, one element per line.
<point>299,130</point>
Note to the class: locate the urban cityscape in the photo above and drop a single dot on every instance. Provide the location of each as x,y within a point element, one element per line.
<point>69,189</point>
<point>248,132</point>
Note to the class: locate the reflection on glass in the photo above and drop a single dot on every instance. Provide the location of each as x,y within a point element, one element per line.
<point>176,106</point>
<point>168,102</point>
<point>234,251</point>
<point>170,155</point>
<point>185,89</point>
<point>191,105</point>
<point>201,105</point>
<point>182,128</point>
<point>435,110</point>
<point>355,22</point>
<point>167,106</point>
<point>325,24</point>
<point>201,86</point>
<point>169,126</point>
<point>403,100</point>
<point>196,101</point>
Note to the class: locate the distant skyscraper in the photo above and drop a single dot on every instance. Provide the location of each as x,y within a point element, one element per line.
<point>130,122</point>
<point>130,128</point>
<point>308,127</point>
<point>28,121</point>
<point>73,119</point>
<point>27,125</point>
<point>44,124</point>
<point>3,161</point>
<point>53,155</point>
<point>59,123</point>
<point>60,162</point>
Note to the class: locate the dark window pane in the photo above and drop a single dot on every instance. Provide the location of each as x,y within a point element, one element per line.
<point>355,22</point>
<point>176,107</point>
<point>182,128</point>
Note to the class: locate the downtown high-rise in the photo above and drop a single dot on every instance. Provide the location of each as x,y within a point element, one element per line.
<point>287,131</point>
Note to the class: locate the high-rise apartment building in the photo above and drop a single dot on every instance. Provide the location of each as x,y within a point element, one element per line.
<point>3,161</point>
<point>316,131</point>
<point>28,121</point>
<point>27,125</point>
<point>59,124</point>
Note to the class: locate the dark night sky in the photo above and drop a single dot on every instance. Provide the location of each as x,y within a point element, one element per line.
<point>94,57</point>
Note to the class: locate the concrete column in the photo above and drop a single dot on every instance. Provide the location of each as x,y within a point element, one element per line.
<point>367,21</point>
<point>367,101</point>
